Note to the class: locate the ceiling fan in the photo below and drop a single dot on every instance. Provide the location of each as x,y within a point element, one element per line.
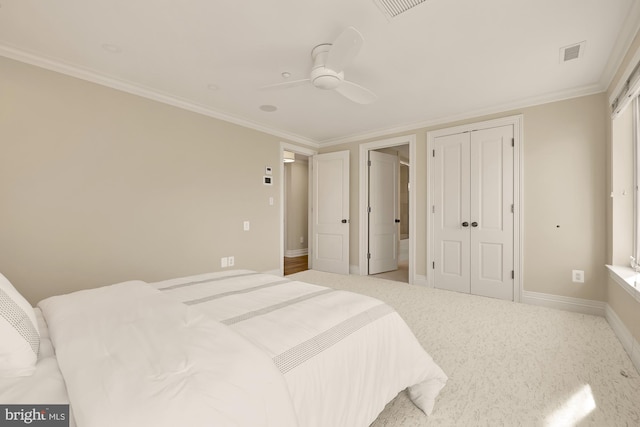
<point>329,61</point>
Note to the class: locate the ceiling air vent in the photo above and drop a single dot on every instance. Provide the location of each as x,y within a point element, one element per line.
<point>571,52</point>
<point>393,8</point>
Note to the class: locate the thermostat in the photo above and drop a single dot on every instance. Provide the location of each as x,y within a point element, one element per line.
<point>268,170</point>
<point>268,180</point>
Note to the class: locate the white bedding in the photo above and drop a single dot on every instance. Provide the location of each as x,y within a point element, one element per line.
<point>130,356</point>
<point>344,356</point>
<point>234,348</point>
<point>46,385</point>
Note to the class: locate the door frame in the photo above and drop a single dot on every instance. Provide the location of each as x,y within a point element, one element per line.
<point>518,223</point>
<point>364,199</point>
<point>285,146</point>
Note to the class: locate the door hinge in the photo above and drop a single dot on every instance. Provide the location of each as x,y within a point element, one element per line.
<point>369,256</point>
<point>511,208</point>
<point>369,209</point>
<point>513,142</point>
<point>433,209</point>
<point>433,265</point>
<point>512,274</point>
<point>434,153</point>
<point>369,163</point>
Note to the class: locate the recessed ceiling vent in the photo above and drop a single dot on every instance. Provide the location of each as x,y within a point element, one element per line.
<point>393,8</point>
<point>571,52</point>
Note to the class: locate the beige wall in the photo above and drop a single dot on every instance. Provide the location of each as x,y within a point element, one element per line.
<point>627,309</point>
<point>564,176</point>
<point>98,186</point>
<point>297,205</point>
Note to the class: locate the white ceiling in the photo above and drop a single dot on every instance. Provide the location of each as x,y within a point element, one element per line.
<point>440,61</point>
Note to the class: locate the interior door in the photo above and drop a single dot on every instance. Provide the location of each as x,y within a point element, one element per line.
<point>383,212</point>
<point>331,212</point>
<point>491,212</point>
<point>473,216</point>
<point>451,210</point>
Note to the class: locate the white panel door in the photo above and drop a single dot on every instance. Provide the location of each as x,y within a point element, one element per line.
<point>491,215</point>
<point>383,204</point>
<point>451,213</point>
<point>473,218</point>
<point>331,212</point>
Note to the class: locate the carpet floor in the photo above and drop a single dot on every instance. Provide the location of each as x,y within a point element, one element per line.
<point>508,364</point>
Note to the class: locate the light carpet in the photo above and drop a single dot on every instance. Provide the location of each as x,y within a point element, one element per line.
<point>508,364</point>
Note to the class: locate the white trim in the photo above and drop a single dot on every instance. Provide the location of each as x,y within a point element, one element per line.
<point>625,38</point>
<point>626,278</point>
<point>274,272</point>
<point>145,92</point>
<point>292,253</point>
<point>577,305</point>
<point>420,280</point>
<point>285,146</point>
<point>517,122</point>
<point>630,344</point>
<point>473,114</point>
<point>363,195</point>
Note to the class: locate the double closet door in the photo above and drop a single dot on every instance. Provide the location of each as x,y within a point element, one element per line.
<point>473,220</point>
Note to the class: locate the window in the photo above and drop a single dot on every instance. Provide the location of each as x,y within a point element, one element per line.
<point>625,181</point>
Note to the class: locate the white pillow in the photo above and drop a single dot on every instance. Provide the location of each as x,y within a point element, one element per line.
<point>19,335</point>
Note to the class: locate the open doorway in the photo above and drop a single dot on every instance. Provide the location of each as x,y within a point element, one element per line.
<point>295,206</point>
<point>387,206</point>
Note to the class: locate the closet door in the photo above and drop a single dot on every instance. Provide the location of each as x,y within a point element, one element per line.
<point>473,220</point>
<point>491,218</point>
<point>451,213</point>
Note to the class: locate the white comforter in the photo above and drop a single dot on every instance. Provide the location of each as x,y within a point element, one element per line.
<point>234,348</point>
<point>131,356</point>
<point>344,356</point>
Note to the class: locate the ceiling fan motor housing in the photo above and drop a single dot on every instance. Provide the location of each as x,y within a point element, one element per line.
<point>324,78</point>
<point>321,76</point>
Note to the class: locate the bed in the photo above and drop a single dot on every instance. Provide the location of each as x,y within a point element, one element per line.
<point>232,348</point>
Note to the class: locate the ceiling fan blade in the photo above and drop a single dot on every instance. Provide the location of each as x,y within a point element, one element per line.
<point>356,93</point>
<point>285,85</point>
<point>344,49</point>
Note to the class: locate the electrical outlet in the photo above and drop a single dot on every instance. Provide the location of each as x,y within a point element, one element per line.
<point>302,239</point>
<point>577,276</point>
<point>231,262</point>
<point>224,262</point>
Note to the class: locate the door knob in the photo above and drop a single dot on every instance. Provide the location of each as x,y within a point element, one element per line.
<point>344,221</point>
<point>474,224</point>
<point>465,224</point>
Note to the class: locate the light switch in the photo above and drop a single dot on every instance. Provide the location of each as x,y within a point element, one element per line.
<point>246,226</point>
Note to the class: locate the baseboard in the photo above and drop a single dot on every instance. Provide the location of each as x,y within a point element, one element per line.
<point>354,269</point>
<point>420,280</point>
<point>296,252</point>
<point>578,305</point>
<point>630,344</point>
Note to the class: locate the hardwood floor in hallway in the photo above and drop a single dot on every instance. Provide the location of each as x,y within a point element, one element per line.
<point>295,264</point>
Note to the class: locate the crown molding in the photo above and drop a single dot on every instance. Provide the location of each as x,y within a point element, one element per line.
<point>621,47</point>
<point>471,114</point>
<point>145,92</point>
<point>155,95</point>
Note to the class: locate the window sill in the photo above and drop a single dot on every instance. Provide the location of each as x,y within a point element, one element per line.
<point>628,279</point>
